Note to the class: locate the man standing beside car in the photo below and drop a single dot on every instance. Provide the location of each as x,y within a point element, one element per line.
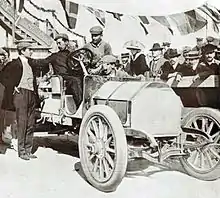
<point>19,80</point>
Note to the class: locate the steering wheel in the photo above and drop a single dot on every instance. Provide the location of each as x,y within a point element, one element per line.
<point>77,57</point>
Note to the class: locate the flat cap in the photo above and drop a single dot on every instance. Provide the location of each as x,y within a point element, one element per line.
<point>24,43</point>
<point>62,35</point>
<point>108,59</point>
<point>167,44</point>
<point>96,30</point>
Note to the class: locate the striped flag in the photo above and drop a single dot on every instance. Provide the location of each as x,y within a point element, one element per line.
<point>213,13</point>
<point>144,19</point>
<point>71,11</point>
<point>116,15</point>
<point>99,14</point>
<point>188,22</point>
<point>163,21</point>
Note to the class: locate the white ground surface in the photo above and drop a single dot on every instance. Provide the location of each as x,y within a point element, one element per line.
<point>53,175</point>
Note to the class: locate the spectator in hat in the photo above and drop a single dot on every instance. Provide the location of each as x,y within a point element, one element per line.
<point>189,67</point>
<point>99,47</point>
<point>210,40</point>
<point>2,58</point>
<point>217,53</point>
<point>157,60</point>
<point>138,65</point>
<point>169,67</point>
<point>199,44</point>
<point>166,46</point>
<point>58,60</point>
<point>208,66</point>
<point>19,81</point>
<point>7,118</point>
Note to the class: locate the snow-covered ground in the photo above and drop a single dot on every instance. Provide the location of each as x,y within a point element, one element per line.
<point>57,175</point>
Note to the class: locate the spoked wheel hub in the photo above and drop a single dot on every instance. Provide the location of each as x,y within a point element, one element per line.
<point>204,153</point>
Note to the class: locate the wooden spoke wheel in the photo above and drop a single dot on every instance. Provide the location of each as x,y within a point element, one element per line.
<point>203,162</point>
<point>103,148</point>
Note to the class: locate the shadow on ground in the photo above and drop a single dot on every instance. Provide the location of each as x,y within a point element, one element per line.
<point>67,144</point>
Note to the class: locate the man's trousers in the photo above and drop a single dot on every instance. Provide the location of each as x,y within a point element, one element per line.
<point>24,103</point>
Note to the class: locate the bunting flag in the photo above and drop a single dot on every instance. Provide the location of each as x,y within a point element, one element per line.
<point>163,21</point>
<point>144,19</point>
<point>99,14</point>
<point>144,28</point>
<point>116,15</point>
<point>20,5</point>
<point>213,13</point>
<point>71,11</point>
<point>188,22</point>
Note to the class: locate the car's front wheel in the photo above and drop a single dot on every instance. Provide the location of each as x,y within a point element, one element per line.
<point>103,148</point>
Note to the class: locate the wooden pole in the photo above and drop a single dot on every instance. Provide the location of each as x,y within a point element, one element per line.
<point>13,23</point>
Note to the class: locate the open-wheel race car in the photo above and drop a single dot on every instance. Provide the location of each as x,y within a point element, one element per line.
<point>126,118</point>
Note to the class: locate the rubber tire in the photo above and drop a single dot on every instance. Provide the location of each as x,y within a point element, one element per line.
<point>215,173</point>
<point>121,148</point>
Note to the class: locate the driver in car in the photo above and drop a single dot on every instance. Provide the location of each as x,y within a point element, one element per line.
<point>98,47</point>
<point>58,61</point>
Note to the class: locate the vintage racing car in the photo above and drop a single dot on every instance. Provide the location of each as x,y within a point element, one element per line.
<point>123,119</point>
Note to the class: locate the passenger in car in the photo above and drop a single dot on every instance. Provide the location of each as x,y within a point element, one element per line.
<point>108,67</point>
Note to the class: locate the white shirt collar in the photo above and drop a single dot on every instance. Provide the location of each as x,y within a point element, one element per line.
<point>23,58</point>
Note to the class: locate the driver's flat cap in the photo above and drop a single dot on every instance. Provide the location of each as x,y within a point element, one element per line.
<point>108,59</point>
<point>62,35</point>
<point>96,30</point>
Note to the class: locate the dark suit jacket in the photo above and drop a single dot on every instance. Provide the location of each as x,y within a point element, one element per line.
<point>204,70</point>
<point>10,77</point>
<point>138,66</point>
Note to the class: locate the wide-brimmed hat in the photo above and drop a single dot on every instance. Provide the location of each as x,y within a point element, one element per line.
<point>62,35</point>
<point>193,54</point>
<point>156,46</point>
<point>172,53</point>
<point>134,44</point>
<point>209,48</point>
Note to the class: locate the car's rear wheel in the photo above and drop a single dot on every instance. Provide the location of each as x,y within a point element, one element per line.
<point>103,148</point>
<point>203,162</point>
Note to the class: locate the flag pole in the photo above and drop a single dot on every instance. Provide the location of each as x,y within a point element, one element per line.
<point>13,22</point>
